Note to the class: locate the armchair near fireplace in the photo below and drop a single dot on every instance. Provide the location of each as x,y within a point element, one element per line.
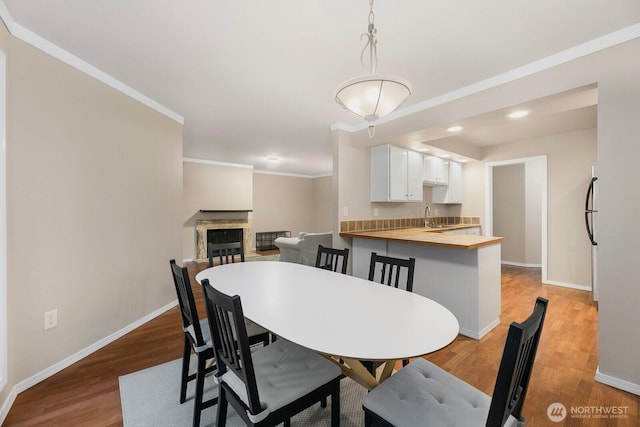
<point>302,249</point>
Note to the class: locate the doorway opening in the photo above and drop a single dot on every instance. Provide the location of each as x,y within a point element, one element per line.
<point>531,203</point>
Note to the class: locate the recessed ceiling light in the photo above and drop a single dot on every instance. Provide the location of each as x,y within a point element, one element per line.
<point>518,114</point>
<point>455,129</point>
<point>273,160</point>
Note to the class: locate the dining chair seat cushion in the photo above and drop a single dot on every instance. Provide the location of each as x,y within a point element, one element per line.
<point>252,330</point>
<point>206,335</point>
<point>423,394</point>
<point>284,372</point>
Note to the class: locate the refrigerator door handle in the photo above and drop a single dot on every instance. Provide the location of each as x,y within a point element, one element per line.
<point>588,211</point>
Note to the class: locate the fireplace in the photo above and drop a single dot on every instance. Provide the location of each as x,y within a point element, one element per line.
<point>221,231</point>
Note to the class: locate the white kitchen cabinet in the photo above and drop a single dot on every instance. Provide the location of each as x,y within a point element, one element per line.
<point>452,193</point>
<point>471,231</point>
<point>474,231</point>
<point>462,231</point>
<point>436,171</point>
<point>396,174</point>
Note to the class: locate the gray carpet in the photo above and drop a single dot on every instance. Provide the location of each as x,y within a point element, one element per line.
<point>150,398</point>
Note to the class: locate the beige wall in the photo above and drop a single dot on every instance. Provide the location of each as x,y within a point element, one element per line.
<point>509,212</point>
<point>533,212</point>
<point>323,204</point>
<point>290,203</point>
<point>619,204</point>
<point>517,212</point>
<point>212,186</point>
<point>94,209</point>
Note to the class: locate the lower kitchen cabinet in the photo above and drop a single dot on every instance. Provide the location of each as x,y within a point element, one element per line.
<point>471,231</point>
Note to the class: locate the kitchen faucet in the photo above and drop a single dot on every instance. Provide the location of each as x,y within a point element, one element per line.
<point>427,214</point>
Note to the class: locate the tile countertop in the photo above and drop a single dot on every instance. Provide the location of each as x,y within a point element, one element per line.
<point>428,236</point>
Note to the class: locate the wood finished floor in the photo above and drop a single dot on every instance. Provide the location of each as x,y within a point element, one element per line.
<point>86,393</point>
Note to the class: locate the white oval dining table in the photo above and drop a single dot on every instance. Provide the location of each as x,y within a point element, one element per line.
<point>344,318</point>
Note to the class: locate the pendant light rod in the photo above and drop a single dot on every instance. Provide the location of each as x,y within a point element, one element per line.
<point>372,43</point>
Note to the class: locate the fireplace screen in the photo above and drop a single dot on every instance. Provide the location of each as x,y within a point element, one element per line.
<point>224,235</point>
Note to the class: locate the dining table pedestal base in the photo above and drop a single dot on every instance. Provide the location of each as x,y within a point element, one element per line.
<point>354,369</point>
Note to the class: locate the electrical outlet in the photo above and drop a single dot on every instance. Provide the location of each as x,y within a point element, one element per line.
<point>50,319</point>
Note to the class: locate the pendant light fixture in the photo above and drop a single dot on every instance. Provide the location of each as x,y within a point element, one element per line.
<point>372,95</point>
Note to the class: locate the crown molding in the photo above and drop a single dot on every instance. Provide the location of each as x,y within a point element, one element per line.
<point>216,163</point>
<point>296,175</point>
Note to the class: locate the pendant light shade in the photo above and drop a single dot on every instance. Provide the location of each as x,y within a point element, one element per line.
<point>372,95</point>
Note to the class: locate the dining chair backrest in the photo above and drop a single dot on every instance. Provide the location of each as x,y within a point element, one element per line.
<point>225,252</point>
<point>332,259</point>
<point>515,368</point>
<point>188,310</point>
<point>391,270</point>
<point>230,340</point>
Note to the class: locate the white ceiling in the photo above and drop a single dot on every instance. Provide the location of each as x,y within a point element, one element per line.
<point>255,79</point>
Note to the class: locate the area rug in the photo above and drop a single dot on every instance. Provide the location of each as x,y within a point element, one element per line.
<point>274,257</point>
<point>150,398</point>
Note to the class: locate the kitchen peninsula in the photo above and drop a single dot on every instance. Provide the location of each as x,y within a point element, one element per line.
<point>461,272</point>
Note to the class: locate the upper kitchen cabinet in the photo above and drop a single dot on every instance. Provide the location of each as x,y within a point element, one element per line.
<point>396,174</point>
<point>436,171</point>
<point>452,193</point>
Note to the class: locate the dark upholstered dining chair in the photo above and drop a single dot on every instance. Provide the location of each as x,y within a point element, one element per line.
<point>268,386</point>
<point>332,259</point>
<point>197,338</point>
<point>415,394</point>
<point>225,252</point>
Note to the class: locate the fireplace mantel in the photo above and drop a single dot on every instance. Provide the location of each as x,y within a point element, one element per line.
<point>225,211</point>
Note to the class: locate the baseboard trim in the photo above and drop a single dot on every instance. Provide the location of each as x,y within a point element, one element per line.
<point>549,282</point>
<point>617,382</point>
<point>521,264</point>
<point>65,363</point>
<point>478,335</point>
<point>6,405</point>
<point>568,285</point>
